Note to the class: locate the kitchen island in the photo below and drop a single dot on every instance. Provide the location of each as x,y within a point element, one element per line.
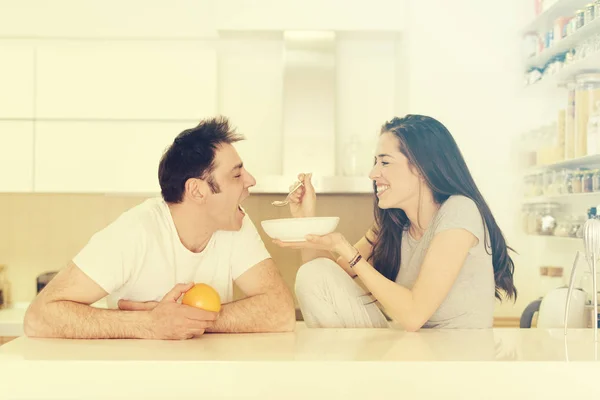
<point>309,364</point>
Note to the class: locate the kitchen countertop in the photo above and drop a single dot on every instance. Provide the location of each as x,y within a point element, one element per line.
<point>11,319</point>
<point>313,363</point>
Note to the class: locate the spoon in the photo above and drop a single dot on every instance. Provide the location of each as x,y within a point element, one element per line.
<point>285,202</point>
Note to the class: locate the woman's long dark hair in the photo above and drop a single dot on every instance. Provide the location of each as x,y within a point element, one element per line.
<point>431,149</point>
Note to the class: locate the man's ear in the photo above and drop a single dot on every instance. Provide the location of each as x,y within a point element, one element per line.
<point>196,190</point>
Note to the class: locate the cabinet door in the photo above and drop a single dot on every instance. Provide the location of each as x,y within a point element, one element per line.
<point>250,94</point>
<point>16,81</point>
<point>104,157</point>
<point>125,80</point>
<point>16,156</point>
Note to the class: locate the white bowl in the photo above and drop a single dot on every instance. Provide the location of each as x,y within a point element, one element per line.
<point>295,229</point>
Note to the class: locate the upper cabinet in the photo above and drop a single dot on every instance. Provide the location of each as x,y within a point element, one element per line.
<point>16,156</point>
<point>16,81</point>
<point>250,94</point>
<point>126,80</point>
<point>101,157</point>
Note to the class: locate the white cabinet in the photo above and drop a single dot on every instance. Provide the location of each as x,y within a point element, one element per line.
<point>16,81</point>
<point>128,80</point>
<point>250,94</point>
<point>16,156</point>
<point>101,157</point>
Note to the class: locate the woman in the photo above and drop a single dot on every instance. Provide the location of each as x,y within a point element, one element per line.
<point>435,257</point>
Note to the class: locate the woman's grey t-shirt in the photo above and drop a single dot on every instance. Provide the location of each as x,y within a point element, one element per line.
<point>470,302</point>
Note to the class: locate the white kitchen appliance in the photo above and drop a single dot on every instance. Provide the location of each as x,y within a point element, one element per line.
<point>591,242</point>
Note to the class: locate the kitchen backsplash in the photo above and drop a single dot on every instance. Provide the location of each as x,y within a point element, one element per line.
<point>42,232</point>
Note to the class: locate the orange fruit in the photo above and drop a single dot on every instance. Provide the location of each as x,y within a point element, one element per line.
<point>202,296</point>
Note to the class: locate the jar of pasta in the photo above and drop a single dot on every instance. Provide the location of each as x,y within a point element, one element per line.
<point>586,96</point>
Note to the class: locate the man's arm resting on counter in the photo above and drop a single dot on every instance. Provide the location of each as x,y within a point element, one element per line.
<point>62,310</point>
<point>269,306</point>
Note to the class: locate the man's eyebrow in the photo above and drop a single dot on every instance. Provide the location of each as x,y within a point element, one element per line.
<point>239,166</point>
<point>384,155</point>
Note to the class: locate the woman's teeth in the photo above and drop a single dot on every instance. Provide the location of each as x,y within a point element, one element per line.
<point>382,188</point>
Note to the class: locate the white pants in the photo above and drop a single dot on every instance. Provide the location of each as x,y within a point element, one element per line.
<point>330,298</point>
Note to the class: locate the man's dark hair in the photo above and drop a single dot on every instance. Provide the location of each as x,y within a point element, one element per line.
<point>192,155</point>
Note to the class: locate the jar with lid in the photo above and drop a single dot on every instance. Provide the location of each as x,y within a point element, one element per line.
<point>587,181</point>
<point>596,181</point>
<point>587,95</point>
<point>571,87</point>
<point>567,181</point>
<point>589,13</point>
<point>546,219</point>
<point>576,183</point>
<point>579,19</point>
<point>563,228</point>
<point>593,130</point>
<point>548,185</point>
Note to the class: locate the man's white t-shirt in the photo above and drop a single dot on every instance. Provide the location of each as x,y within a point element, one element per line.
<point>140,257</point>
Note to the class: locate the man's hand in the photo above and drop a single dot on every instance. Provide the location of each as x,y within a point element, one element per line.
<point>171,320</point>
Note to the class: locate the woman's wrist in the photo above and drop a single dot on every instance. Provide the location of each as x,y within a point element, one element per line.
<point>346,250</point>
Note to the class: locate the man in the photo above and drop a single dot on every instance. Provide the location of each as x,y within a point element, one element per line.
<point>151,255</point>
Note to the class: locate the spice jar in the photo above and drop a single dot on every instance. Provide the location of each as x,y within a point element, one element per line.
<point>596,181</point>
<point>587,181</point>
<point>567,182</point>
<point>576,183</point>
<point>589,14</point>
<point>579,19</point>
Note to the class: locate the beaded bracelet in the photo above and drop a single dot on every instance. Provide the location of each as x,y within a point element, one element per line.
<point>355,259</point>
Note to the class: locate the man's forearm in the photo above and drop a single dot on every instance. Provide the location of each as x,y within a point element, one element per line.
<point>261,313</point>
<point>67,319</point>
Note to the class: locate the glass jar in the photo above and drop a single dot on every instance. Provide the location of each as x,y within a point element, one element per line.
<point>579,19</point>
<point>596,181</point>
<point>588,16</point>
<point>538,184</point>
<point>546,219</point>
<point>587,181</point>
<point>567,183</point>
<point>563,228</point>
<point>587,95</point>
<point>576,183</point>
<point>570,120</point>
<point>548,183</point>
<point>593,130</point>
